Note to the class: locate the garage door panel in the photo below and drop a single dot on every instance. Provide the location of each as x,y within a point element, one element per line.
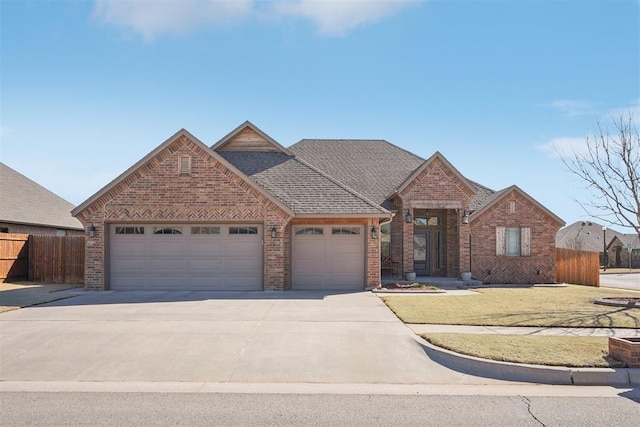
<point>126,247</point>
<point>167,282</point>
<point>329,261</point>
<point>243,283</point>
<point>311,265</point>
<point>346,248</point>
<point>164,265</point>
<point>341,266</point>
<point>205,265</point>
<point>185,261</point>
<point>311,282</point>
<point>133,282</point>
<point>129,264</point>
<point>308,248</point>
<point>208,247</point>
<point>167,248</point>
<point>239,265</point>
<point>239,248</point>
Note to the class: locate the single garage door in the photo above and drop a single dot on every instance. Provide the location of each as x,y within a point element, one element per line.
<point>185,257</point>
<point>328,257</point>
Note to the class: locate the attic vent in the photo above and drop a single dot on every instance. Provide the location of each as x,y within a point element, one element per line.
<point>184,165</point>
<point>512,207</point>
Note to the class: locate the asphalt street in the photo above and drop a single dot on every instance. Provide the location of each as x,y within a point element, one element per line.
<point>116,409</point>
<point>629,281</point>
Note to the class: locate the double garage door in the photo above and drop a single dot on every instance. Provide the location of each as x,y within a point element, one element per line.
<point>185,257</point>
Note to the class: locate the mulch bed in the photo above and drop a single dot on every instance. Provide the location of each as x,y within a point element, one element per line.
<point>409,288</point>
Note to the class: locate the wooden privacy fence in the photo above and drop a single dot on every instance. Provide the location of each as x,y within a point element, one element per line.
<point>577,267</point>
<point>45,259</point>
<point>13,256</point>
<point>56,259</point>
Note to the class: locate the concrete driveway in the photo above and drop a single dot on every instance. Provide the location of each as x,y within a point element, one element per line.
<point>261,337</point>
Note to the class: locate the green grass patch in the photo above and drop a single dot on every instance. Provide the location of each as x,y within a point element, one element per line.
<point>571,306</point>
<point>586,352</point>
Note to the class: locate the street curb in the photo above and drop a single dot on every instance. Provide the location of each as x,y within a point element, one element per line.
<point>557,375</point>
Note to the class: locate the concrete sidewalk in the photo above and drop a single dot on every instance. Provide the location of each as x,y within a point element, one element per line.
<point>525,330</point>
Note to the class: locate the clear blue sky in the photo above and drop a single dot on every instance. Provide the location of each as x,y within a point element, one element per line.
<point>88,88</point>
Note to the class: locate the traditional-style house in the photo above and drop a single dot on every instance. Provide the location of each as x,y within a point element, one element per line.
<point>250,214</point>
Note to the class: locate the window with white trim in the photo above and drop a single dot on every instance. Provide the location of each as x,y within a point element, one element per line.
<point>513,241</point>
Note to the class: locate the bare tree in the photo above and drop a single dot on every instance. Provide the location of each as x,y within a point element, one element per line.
<point>610,167</point>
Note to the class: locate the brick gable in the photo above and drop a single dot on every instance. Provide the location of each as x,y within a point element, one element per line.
<point>213,192</point>
<point>514,209</point>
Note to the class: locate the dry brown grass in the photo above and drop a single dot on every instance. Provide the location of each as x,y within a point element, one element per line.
<point>537,349</point>
<point>534,306</point>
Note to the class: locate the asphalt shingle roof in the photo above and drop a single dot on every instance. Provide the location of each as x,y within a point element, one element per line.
<point>23,201</point>
<point>301,187</point>
<point>373,168</point>
<point>588,236</point>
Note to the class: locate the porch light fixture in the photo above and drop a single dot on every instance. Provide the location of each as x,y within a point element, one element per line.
<point>274,232</point>
<point>374,232</point>
<point>407,217</point>
<point>465,217</point>
<point>92,231</point>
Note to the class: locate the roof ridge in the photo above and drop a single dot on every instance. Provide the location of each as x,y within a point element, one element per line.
<point>341,185</point>
<point>361,140</point>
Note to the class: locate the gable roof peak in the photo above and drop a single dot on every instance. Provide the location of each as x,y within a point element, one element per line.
<point>429,161</point>
<point>499,195</point>
<point>171,140</point>
<point>248,137</point>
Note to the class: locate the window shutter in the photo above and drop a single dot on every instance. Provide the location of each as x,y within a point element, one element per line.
<point>500,241</point>
<point>525,241</point>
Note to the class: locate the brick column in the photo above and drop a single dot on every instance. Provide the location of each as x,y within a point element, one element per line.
<point>407,245</point>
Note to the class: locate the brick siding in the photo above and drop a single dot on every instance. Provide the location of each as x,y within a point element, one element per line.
<point>540,267</point>
<point>212,193</point>
<point>438,182</point>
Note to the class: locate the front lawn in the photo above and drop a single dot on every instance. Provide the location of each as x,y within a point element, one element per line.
<point>570,306</point>
<point>587,352</point>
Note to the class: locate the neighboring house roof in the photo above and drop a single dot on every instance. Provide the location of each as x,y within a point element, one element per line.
<point>585,236</point>
<point>373,168</point>
<point>625,239</point>
<point>495,198</point>
<point>27,202</point>
<point>300,186</point>
<point>161,147</point>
